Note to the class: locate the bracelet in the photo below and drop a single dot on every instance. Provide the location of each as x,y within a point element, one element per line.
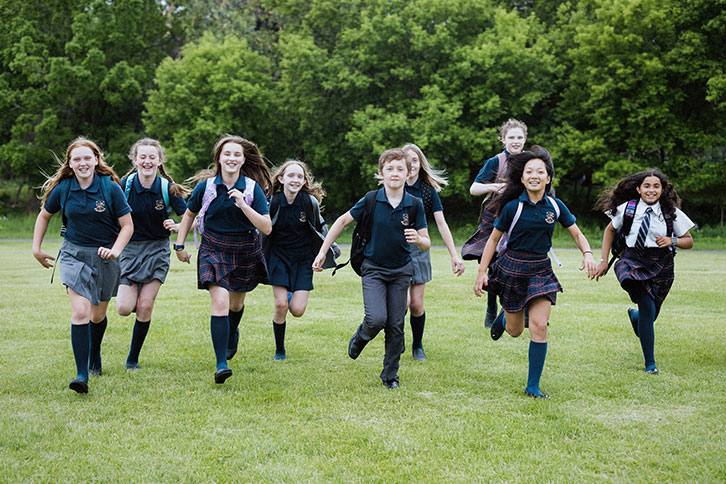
<point>178,247</point>
<point>586,252</point>
<point>603,260</point>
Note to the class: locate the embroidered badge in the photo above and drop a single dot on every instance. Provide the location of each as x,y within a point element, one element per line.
<point>303,217</point>
<point>100,206</point>
<point>404,220</point>
<point>159,205</point>
<point>550,217</point>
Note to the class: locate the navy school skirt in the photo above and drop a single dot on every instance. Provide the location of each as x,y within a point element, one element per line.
<point>518,277</point>
<point>290,270</point>
<point>84,271</point>
<point>232,261</point>
<point>651,269</point>
<point>474,247</point>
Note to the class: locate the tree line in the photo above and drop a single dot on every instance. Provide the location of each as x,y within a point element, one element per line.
<point>608,86</point>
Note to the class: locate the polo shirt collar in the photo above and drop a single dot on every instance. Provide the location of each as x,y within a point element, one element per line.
<point>239,185</point>
<point>406,201</point>
<point>139,188</point>
<point>417,184</point>
<point>92,188</point>
<point>525,198</point>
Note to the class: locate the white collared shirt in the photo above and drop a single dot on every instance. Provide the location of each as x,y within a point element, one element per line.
<point>681,223</point>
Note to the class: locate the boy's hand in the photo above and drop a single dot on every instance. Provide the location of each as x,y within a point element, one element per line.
<point>171,225</point>
<point>411,235</point>
<point>107,253</point>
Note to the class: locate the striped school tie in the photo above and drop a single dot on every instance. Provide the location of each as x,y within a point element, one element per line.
<point>643,232</point>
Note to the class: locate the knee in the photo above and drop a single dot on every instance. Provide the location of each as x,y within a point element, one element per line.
<point>297,311</point>
<point>376,323</point>
<point>281,306</point>
<point>144,308</point>
<point>123,309</point>
<point>417,306</point>
<point>514,332</point>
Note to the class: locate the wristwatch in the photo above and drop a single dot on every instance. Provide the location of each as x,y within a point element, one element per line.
<point>674,239</point>
<point>177,247</point>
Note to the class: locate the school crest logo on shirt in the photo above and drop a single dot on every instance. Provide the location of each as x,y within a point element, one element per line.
<point>100,206</point>
<point>159,205</point>
<point>303,217</point>
<point>404,219</point>
<point>550,217</point>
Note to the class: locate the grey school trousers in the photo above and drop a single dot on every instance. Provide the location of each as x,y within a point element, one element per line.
<point>384,301</point>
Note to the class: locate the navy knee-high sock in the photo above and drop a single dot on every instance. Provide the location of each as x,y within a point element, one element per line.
<point>97,331</point>
<point>234,318</point>
<point>537,354</point>
<point>492,303</point>
<point>81,343</point>
<point>137,340</point>
<point>279,329</point>
<point>417,330</point>
<point>219,327</point>
<point>646,318</point>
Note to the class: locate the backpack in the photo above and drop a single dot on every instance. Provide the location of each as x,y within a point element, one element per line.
<point>502,244</point>
<point>164,190</point>
<point>65,187</point>
<point>210,193</point>
<point>618,246</point>
<point>362,231</point>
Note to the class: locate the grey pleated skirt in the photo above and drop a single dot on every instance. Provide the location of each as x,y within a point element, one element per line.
<point>145,260</point>
<point>84,271</point>
<point>421,265</point>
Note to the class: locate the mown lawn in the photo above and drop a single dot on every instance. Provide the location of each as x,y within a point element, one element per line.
<point>461,416</point>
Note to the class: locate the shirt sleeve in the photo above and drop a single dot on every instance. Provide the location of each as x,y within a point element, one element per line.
<point>488,172</point>
<point>52,203</point>
<point>120,204</point>
<point>617,219</point>
<point>357,211</point>
<point>682,224</point>
<point>194,204</point>
<point>420,222</point>
<point>504,220</point>
<point>437,206</point>
<point>259,202</point>
<point>566,217</point>
<point>178,204</point>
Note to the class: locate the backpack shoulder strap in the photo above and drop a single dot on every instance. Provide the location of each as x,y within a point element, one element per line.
<point>129,183</point>
<point>555,205</point>
<point>413,213</point>
<point>275,204</point>
<point>427,197</point>
<point>165,194</point>
<point>369,206</point>
<point>106,192</point>
<point>502,169</point>
<point>249,192</point>
<point>629,215</point>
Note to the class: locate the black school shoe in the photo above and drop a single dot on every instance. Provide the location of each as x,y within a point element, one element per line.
<point>79,386</point>
<point>633,321</point>
<point>391,385</point>
<point>221,375</point>
<point>418,354</point>
<point>356,345</point>
<point>497,327</point>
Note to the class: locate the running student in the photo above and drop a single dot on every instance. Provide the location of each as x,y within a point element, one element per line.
<point>645,269</point>
<point>491,180</point>
<point>522,276</point>
<point>297,234</point>
<point>424,182</point>
<point>98,226</point>
<point>152,194</point>
<point>398,220</point>
<point>230,205</point>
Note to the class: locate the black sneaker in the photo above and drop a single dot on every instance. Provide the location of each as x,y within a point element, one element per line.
<point>497,326</point>
<point>633,317</point>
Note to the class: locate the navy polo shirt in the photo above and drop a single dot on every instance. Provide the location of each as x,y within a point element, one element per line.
<point>488,172</point>
<point>536,224</point>
<point>415,190</point>
<point>149,211</point>
<point>89,221</point>
<point>223,215</point>
<point>291,232</point>
<point>388,246</point>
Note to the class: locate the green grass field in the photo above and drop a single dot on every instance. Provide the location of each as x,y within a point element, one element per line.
<point>461,416</point>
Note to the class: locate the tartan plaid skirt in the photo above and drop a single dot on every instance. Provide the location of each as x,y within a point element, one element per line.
<point>518,277</point>
<point>232,261</point>
<point>474,247</point>
<point>652,269</point>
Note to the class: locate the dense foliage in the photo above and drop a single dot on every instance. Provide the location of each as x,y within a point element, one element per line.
<point>608,86</point>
